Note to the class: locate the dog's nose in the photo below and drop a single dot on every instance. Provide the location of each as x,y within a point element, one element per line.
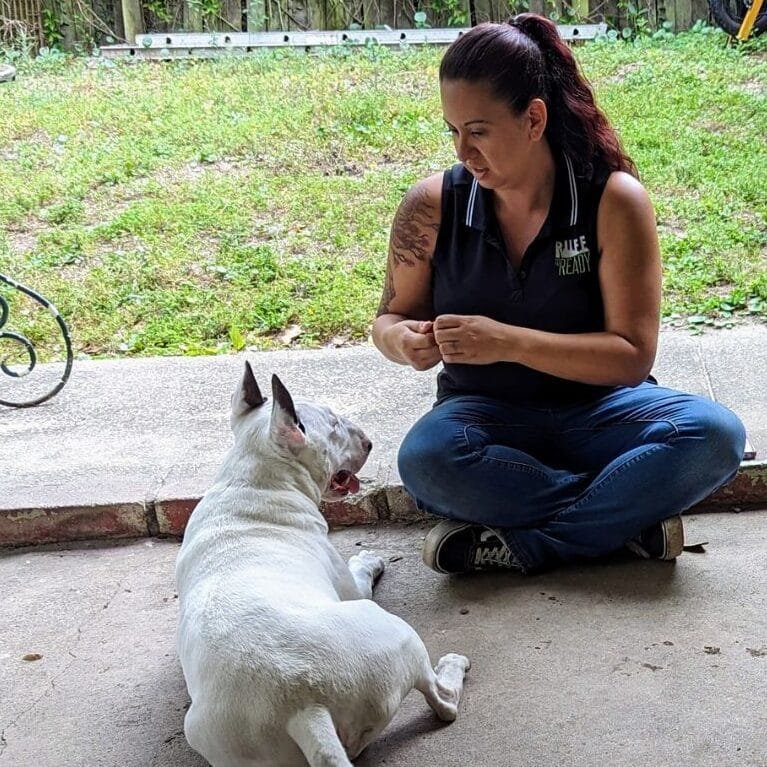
<point>367,445</point>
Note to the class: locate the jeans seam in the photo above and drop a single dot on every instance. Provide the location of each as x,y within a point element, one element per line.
<point>517,465</point>
<point>632,422</point>
<point>610,478</point>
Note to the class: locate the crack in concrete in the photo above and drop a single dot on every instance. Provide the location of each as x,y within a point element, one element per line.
<point>106,604</point>
<point>706,373</point>
<point>55,678</point>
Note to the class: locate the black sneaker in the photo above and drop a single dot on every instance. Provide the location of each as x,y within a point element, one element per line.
<point>458,547</point>
<point>664,540</point>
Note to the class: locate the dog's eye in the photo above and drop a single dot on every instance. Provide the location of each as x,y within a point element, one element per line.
<point>302,427</point>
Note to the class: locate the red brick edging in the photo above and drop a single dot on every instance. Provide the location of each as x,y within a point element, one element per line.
<point>390,503</point>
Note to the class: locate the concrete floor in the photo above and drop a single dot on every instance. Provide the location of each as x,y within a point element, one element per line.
<point>628,663</point>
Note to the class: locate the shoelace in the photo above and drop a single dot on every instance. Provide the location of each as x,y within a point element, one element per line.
<point>494,556</point>
<point>638,549</point>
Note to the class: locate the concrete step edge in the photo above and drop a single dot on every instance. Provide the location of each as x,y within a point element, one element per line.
<point>377,504</point>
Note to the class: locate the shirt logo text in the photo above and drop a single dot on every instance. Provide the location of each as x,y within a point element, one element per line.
<point>572,256</point>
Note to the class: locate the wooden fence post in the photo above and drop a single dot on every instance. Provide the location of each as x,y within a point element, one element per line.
<point>683,15</point>
<point>231,15</point>
<point>133,19</point>
<point>580,9</point>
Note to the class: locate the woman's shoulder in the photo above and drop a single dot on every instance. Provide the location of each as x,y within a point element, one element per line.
<point>423,200</point>
<point>624,192</point>
<point>421,207</point>
<point>626,216</point>
<point>457,175</point>
<point>431,185</point>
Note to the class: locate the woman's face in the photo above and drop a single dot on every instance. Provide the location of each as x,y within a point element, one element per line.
<point>490,140</point>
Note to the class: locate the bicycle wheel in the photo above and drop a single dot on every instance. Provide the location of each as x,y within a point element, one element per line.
<point>729,14</point>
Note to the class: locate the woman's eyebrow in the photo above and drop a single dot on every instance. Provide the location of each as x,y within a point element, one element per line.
<point>469,122</point>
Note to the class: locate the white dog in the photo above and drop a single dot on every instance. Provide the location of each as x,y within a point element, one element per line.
<point>286,658</point>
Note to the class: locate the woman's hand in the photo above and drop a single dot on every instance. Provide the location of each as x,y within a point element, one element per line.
<point>471,339</point>
<point>413,341</point>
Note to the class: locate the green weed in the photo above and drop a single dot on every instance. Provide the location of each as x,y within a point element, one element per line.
<point>203,207</point>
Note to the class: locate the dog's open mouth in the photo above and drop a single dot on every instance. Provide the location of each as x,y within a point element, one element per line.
<point>344,482</point>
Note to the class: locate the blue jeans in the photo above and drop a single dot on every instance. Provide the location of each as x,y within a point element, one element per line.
<point>571,483</point>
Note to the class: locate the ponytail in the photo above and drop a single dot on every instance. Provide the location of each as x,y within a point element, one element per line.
<point>526,59</point>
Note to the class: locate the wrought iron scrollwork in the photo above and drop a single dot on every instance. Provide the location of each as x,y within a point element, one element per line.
<point>28,346</point>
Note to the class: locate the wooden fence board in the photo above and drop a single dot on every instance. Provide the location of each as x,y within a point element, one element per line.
<point>683,13</point>
<point>133,18</point>
<point>23,13</point>
<point>231,15</point>
<point>127,17</point>
<point>491,10</point>
<point>700,11</point>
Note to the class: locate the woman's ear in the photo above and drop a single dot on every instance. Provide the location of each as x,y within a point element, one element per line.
<point>537,115</point>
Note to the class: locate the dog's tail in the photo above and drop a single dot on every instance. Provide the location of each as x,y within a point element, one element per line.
<point>315,734</point>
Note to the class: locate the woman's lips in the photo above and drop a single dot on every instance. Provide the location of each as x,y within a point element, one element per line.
<point>476,172</point>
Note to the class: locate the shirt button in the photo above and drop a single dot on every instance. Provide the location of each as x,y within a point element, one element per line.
<point>522,275</point>
<point>516,296</point>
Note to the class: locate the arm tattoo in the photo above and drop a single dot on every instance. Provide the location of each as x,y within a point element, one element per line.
<point>412,239</point>
<point>388,294</point>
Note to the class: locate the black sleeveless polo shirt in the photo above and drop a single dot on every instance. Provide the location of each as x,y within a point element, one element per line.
<point>555,289</point>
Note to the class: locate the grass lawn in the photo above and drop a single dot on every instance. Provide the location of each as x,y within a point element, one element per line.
<point>205,207</point>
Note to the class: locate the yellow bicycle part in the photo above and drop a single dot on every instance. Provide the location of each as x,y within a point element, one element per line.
<point>748,20</point>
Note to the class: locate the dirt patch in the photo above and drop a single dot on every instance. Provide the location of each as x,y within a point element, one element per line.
<point>673,228</point>
<point>107,201</point>
<point>22,237</point>
<point>712,126</point>
<point>752,88</point>
<point>195,170</point>
<point>722,290</point>
<point>623,72</point>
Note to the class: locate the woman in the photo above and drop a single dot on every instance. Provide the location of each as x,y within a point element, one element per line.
<point>531,270</point>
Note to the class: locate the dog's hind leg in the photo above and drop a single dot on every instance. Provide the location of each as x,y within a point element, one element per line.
<point>366,569</point>
<point>315,734</point>
<point>443,689</point>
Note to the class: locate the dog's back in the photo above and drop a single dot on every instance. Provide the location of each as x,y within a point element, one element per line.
<point>286,658</point>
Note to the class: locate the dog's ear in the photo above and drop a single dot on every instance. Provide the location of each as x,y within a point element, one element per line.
<point>285,427</point>
<point>247,396</point>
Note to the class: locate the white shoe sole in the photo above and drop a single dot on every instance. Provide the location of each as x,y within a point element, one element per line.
<point>434,540</point>
<point>673,530</point>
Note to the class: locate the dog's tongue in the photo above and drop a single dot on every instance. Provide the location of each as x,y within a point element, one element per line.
<point>344,482</point>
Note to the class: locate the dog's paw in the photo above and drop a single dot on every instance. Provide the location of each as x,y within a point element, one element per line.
<point>453,659</point>
<point>371,562</point>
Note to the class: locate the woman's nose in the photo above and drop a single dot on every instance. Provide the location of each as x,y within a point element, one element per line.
<point>463,148</point>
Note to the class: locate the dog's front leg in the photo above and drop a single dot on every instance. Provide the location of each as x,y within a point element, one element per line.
<point>443,689</point>
<point>366,569</point>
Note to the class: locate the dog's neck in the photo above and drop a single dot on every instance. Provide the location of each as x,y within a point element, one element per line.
<point>260,472</point>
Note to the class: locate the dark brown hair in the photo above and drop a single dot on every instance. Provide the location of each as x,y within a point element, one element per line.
<point>526,59</point>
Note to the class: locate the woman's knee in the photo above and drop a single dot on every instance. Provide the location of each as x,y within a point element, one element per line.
<point>427,456</point>
<point>722,437</point>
